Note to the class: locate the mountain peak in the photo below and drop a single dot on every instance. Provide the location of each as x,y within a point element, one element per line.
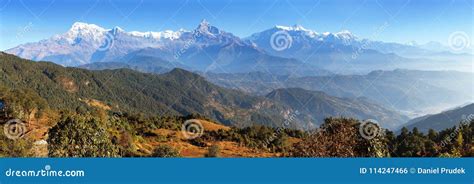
<point>299,27</point>
<point>345,31</point>
<point>81,30</point>
<point>117,30</point>
<point>345,34</point>
<point>295,27</point>
<point>183,75</point>
<point>204,22</point>
<point>205,28</point>
<point>203,25</point>
<point>78,26</point>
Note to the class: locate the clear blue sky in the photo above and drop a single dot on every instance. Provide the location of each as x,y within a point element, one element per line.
<point>415,20</point>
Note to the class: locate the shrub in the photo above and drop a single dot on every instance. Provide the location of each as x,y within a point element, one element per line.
<point>165,151</point>
<point>14,148</point>
<point>213,151</point>
<point>339,137</point>
<point>332,139</point>
<point>76,136</point>
<point>198,142</point>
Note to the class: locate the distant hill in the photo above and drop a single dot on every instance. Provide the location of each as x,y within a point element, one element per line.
<point>406,90</point>
<point>142,64</point>
<point>443,120</point>
<point>317,106</point>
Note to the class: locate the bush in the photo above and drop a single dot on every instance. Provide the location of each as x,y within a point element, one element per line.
<point>77,136</point>
<point>339,137</point>
<point>198,142</point>
<point>165,151</point>
<point>213,151</point>
<point>14,148</point>
<point>21,103</point>
<point>333,139</point>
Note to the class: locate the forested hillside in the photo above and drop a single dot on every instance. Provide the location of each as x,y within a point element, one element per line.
<point>178,92</point>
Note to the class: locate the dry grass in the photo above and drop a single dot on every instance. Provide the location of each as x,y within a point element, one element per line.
<point>227,148</point>
<point>38,129</point>
<point>97,103</point>
<point>68,84</point>
<point>210,126</point>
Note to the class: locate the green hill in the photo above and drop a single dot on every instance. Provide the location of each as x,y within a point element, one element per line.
<point>178,92</point>
<point>317,106</point>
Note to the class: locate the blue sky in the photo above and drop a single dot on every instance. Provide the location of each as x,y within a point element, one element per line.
<point>24,21</point>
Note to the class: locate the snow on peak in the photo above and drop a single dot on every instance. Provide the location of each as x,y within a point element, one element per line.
<point>299,27</point>
<point>326,34</point>
<point>82,31</point>
<point>295,27</point>
<point>342,35</point>
<point>168,34</point>
<point>205,28</point>
<point>286,28</point>
<point>117,29</point>
<point>204,23</point>
<point>345,34</point>
<point>81,26</point>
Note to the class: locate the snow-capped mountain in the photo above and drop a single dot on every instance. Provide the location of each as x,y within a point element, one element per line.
<point>301,37</point>
<point>206,48</point>
<point>326,50</point>
<point>281,50</point>
<point>343,51</point>
<point>87,43</point>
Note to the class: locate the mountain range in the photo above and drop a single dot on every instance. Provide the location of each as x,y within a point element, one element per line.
<point>446,119</point>
<point>210,49</point>
<point>317,106</point>
<point>206,48</point>
<point>413,92</point>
